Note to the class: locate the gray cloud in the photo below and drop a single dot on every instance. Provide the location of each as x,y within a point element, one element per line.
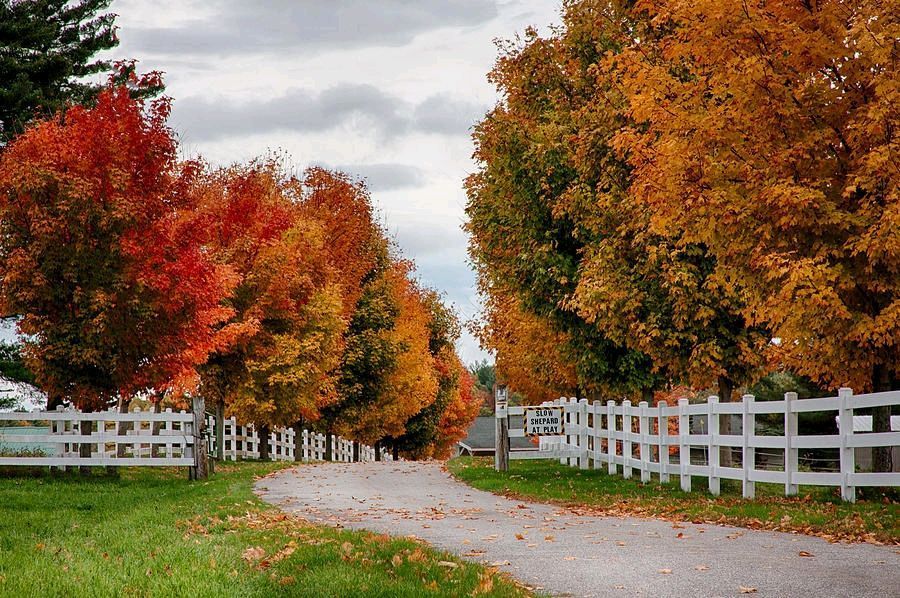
<point>209,119</point>
<point>386,177</point>
<point>445,114</point>
<point>240,26</point>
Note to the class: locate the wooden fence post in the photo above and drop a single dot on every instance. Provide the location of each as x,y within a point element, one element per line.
<point>626,440</point>
<point>663,429</point>
<point>501,429</point>
<point>791,454</point>
<point>199,471</point>
<point>848,453</point>
<point>748,454</point>
<point>684,447</point>
<point>611,467</point>
<point>712,459</point>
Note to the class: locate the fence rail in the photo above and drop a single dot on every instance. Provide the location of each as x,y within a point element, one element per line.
<point>68,437</point>
<point>242,442</point>
<point>640,438</point>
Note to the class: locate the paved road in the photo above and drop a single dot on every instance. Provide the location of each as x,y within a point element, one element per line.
<point>567,554</point>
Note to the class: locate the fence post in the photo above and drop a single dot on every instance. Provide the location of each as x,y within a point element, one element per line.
<point>848,453</point>
<point>611,437</point>
<point>597,438</point>
<point>791,459</point>
<point>626,439</point>
<point>582,434</point>
<point>748,454</point>
<point>684,447</point>
<point>712,459</point>
<point>199,470</point>
<point>501,429</point>
<point>644,429</point>
<point>663,429</point>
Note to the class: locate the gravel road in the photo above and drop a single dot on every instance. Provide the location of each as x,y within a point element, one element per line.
<point>566,554</point>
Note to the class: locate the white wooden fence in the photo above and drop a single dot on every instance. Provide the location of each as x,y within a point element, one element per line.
<point>242,442</point>
<point>113,438</point>
<point>638,437</point>
<point>145,438</point>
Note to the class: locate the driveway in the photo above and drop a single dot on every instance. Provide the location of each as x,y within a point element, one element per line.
<point>562,553</point>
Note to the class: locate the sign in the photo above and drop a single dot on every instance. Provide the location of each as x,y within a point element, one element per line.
<point>501,400</point>
<point>543,421</point>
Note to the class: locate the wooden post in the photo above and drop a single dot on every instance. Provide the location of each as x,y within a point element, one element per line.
<point>712,433</point>
<point>684,447</point>
<point>220,430</point>
<point>848,453</point>
<point>662,424</point>
<point>501,437</point>
<point>626,439</point>
<point>199,471</point>
<point>790,453</point>
<point>644,429</point>
<point>748,457</point>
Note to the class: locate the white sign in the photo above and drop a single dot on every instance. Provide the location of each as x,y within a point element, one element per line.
<point>543,421</point>
<point>500,401</point>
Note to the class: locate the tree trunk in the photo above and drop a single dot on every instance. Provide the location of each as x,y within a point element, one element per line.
<point>396,451</point>
<point>881,419</point>
<point>264,442</point>
<point>298,440</point>
<point>85,428</point>
<point>647,395</point>
<point>378,450</point>
<point>121,430</point>
<point>329,446</point>
<point>220,431</point>
<point>726,390</point>
<point>155,428</point>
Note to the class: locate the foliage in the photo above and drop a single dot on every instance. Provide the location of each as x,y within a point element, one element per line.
<point>768,134</point>
<point>12,364</point>
<point>458,415</point>
<point>152,533</point>
<point>48,48</point>
<point>286,329</point>
<point>102,253</point>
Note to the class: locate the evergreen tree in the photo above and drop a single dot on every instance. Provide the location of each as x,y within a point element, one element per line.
<point>47,48</point>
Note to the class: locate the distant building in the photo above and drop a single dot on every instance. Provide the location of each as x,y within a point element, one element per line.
<point>480,439</point>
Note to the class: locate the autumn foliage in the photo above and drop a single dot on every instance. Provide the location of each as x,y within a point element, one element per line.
<point>276,296</point>
<point>693,193</point>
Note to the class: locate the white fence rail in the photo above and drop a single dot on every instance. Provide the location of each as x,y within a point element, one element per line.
<point>242,442</point>
<point>68,437</point>
<point>631,438</point>
<point>56,438</point>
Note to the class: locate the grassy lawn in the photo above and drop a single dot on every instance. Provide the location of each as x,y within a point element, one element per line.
<point>153,533</point>
<point>816,510</point>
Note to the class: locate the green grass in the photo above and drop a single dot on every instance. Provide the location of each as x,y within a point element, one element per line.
<point>816,510</point>
<point>152,533</point>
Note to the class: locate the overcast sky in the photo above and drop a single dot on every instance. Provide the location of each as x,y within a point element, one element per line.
<point>384,89</point>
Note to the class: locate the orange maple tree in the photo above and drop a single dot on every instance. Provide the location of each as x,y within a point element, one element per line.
<point>101,253</point>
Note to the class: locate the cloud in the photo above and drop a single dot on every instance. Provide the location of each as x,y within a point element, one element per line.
<point>386,177</point>
<point>240,27</point>
<point>445,114</point>
<point>209,119</point>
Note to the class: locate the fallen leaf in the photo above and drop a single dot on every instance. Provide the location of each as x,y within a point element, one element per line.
<point>804,553</point>
<point>570,558</point>
<point>448,564</point>
<point>748,590</point>
<point>665,571</point>
<point>701,568</point>
<point>520,537</point>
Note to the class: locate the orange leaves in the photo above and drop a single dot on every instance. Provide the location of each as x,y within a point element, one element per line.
<point>116,293</point>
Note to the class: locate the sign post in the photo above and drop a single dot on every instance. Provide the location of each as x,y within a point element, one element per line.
<point>501,437</point>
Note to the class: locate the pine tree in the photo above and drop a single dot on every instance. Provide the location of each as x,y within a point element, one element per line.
<point>47,48</point>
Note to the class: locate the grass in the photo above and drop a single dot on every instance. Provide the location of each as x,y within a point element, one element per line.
<point>818,511</point>
<point>150,532</point>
